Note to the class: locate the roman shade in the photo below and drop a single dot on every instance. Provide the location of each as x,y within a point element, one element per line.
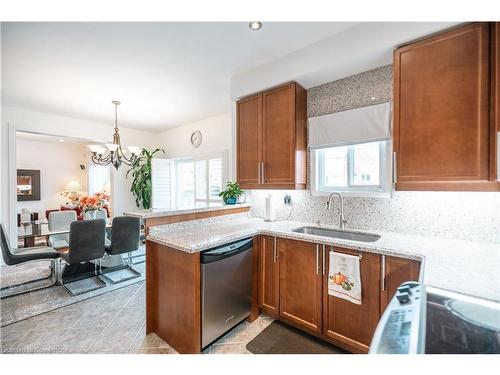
<point>360,125</point>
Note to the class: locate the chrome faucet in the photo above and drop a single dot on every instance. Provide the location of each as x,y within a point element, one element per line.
<point>342,220</point>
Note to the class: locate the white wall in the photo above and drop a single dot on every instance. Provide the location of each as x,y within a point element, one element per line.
<point>18,119</point>
<point>55,171</point>
<point>217,133</point>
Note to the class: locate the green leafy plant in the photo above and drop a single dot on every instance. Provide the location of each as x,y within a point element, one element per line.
<point>141,174</point>
<point>233,191</point>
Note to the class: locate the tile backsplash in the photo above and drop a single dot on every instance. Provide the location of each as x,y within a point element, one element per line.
<point>458,215</point>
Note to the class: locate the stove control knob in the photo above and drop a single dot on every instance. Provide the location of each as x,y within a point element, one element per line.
<point>403,298</point>
<point>405,289</point>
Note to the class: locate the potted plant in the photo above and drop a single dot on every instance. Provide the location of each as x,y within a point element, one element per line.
<point>232,193</point>
<point>141,174</point>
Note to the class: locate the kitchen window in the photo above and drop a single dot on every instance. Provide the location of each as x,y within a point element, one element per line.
<point>360,169</point>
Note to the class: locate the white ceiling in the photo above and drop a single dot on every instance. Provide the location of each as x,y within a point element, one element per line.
<point>165,74</point>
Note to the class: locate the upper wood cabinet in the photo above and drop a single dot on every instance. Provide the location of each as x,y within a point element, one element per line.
<point>397,271</point>
<point>272,139</point>
<point>249,141</point>
<point>269,276</point>
<point>300,284</point>
<point>352,324</point>
<point>442,134</point>
<point>495,100</point>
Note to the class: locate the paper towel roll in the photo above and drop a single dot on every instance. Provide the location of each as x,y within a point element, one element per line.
<point>270,211</point>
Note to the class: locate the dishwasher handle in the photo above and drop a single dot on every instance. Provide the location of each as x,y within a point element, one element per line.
<point>226,251</point>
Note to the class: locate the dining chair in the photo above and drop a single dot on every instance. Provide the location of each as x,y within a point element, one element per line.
<point>125,238</point>
<point>103,214</point>
<point>86,243</point>
<point>60,220</point>
<point>14,256</point>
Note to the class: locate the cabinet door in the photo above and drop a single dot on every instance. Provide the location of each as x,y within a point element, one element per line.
<point>249,139</point>
<point>397,271</point>
<point>495,101</point>
<point>441,111</point>
<point>269,277</point>
<point>345,321</point>
<point>279,137</point>
<point>300,283</point>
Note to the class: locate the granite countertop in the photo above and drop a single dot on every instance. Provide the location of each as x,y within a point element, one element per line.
<point>462,266</point>
<point>160,212</point>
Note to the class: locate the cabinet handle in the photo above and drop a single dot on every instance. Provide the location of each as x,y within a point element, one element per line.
<point>317,259</point>
<point>263,176</point>
<point>394,167</point>
<point>382,276</point>
<point>324,262</point>
<point>275,252</point>
<point>258,172</point>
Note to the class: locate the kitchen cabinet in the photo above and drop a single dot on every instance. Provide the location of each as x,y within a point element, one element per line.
<point>300,285</point>
<point>272,139</point>
<point>346,322</point>
<point>249,141</point>
<point>441,109</point>
<point>495,101</point>
<point>396,271</point>
<point>269,276</point>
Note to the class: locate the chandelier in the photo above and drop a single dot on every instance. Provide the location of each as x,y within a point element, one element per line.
<point>114,153</point>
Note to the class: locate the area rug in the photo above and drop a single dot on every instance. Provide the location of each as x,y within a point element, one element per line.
<point>27,305</point>
<point>279,338</point>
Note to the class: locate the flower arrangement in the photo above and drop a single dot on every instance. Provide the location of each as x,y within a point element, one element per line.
<point>93,202</point>
<point>73,197</point>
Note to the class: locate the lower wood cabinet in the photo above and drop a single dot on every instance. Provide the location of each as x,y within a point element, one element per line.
<point>269,276</point>
<point>293,287</point>
<point>397,271</point>
<point>345,321</point>
<point>300,283</point>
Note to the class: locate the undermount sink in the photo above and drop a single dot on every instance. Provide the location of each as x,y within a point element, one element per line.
<point>335,233</point>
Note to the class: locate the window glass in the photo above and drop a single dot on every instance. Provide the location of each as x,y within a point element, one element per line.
<point>215,178</point>
<point>335,164</point>
<point>356,168</point>
<point>366,164</point>
<point>201,179</point>
<point>185,182</point>
<point>198,181</point>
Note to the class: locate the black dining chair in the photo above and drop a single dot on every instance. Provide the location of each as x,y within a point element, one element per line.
<point>13,256</point>
<point>86,243</point>
<point>125,238</point>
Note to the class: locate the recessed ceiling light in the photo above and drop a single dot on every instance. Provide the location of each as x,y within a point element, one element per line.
<point>255,25</point>
<point>61,140</point>
<point>373,98</point>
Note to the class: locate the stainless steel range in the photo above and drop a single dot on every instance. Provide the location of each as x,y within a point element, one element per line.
<point>429,320</point>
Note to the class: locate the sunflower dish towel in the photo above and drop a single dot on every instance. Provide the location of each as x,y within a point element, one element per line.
<point>344,278</point>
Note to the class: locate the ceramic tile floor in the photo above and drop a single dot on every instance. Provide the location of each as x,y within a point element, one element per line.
<point>110,323</point>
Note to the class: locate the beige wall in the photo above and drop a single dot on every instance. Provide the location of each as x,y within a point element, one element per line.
<point>55,171</point>
<point>217,133</point>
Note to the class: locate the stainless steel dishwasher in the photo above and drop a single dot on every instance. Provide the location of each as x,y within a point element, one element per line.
<point>226,288</point>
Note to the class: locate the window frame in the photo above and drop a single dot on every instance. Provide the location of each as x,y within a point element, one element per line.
<point>382,190</point>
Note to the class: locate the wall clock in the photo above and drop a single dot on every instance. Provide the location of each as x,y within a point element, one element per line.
<point>196,138</point>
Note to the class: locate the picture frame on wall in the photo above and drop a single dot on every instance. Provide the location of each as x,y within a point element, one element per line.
<point>28,185</point>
